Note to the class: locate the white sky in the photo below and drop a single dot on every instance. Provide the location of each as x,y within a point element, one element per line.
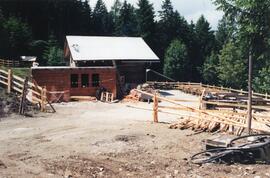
<point>190,9</point>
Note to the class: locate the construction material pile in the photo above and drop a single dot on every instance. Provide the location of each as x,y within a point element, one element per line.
<point>135,96</point>
<point>210,124</point>
<point>221,121</point>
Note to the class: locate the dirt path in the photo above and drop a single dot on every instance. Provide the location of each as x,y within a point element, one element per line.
<point>105,140</point>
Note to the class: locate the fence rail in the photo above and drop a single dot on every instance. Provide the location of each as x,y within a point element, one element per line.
<point>9,63</point>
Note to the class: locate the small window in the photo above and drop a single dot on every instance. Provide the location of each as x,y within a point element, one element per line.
<point>74,78</point>
<point>85,80</point>
<point>95,80</point>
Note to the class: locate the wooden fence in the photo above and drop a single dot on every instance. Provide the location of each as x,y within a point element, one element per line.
<point>260,101</point>
<point>208,120</point>
<point>9,63</point>
<point>32,92</point>
<point>196,88</point>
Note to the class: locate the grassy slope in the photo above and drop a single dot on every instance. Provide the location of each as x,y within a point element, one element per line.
<point>21,72</point>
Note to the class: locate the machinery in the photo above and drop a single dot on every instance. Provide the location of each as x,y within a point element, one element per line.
<point>250,149</point>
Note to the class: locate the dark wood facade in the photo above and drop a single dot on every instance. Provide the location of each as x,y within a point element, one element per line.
<point>132,72</point>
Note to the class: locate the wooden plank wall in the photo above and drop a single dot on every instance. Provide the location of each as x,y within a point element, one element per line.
<point>58,80</point>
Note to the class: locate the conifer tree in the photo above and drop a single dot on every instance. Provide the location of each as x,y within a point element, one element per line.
<point>145,17</point>
<point>115,11</point>
<point>100,18</point>
<point>127,24</point>
<point>205,42</point>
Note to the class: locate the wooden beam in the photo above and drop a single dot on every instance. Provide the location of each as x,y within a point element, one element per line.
<point>5,83</point>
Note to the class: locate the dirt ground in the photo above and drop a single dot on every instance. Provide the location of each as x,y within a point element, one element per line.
<point>87,139</point>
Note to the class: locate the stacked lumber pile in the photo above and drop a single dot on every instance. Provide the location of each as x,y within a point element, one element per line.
<point>135,96</point>
<point>223,122</point>
<point>210,124</point>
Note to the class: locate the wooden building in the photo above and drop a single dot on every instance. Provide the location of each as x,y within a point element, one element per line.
<point>94,62</point>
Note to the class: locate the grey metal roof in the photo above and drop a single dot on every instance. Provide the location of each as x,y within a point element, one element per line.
<point>109,48</point>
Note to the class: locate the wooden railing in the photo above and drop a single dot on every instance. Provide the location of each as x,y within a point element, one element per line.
<point>9,63</point>
<point>200,119</point>
<point>33,93</point>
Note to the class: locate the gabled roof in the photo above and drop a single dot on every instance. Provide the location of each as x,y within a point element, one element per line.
<point>109,48</point>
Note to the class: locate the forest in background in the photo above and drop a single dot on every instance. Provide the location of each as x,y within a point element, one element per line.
<point>188,51</point>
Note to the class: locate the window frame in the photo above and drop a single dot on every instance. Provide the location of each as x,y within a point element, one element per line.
<point>95,80</point>
<point>74,83</point>
<point>85,85</point>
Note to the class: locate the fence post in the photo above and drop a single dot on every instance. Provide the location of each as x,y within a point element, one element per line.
<point>24,93</point>
<point>201,105</point>
<point>9,81</point>
<point>155,108</point>
<point>43,99</point>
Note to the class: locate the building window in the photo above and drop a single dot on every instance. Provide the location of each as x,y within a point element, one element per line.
<point>85,80</point>
<point>95,80</point>
<point>74,80</point>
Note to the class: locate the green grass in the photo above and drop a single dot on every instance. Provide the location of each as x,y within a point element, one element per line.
<point>21,72</point>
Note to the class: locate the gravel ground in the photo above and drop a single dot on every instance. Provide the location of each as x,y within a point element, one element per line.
<point>87,139</point>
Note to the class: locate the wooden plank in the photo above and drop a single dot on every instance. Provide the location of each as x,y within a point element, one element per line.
<point>88,98</point>
<point>17,89</point>
<point>17,84</point>
<point>161,111</point>
<point>18,78</point>
<point>34,92</point>
<point>35,85</point>
<point>3,77</point>
<point>4,72</point>
<point>3,82</point>
<point>174,108</point>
